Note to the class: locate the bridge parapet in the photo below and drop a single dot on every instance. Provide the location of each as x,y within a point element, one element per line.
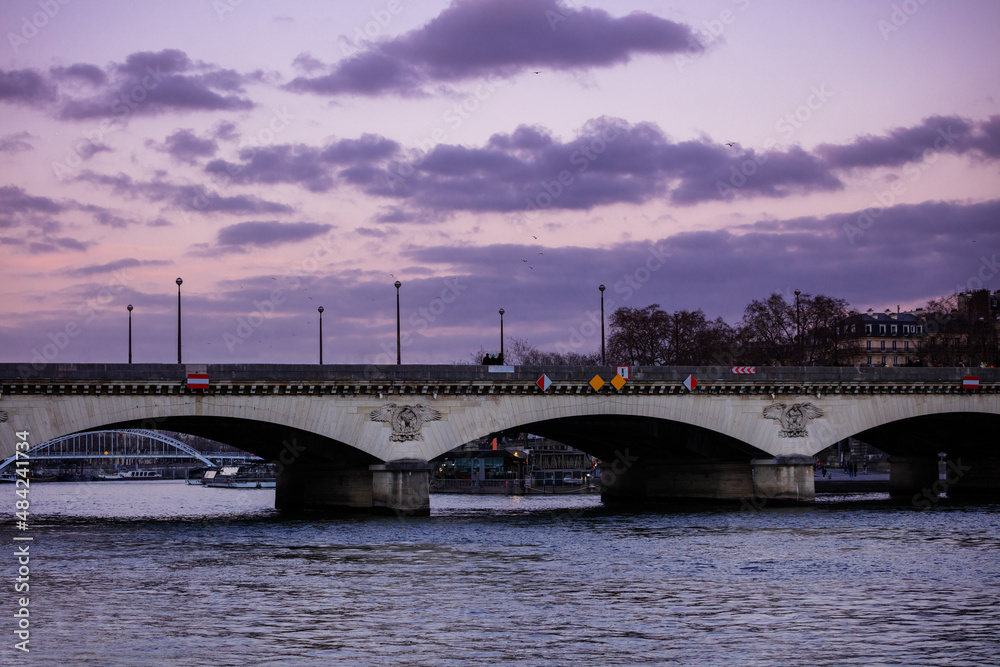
<point>381,381</point>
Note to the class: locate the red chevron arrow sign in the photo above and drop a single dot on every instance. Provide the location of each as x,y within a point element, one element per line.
<point>744,370</point>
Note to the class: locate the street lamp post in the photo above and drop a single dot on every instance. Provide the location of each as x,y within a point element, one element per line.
<point>798,325</point>
<point>602,324</point>
<point>399,349</point>
<point>129,333</point>
<point>320,309</point>
<point>501,336</point>
<point>179,281</point>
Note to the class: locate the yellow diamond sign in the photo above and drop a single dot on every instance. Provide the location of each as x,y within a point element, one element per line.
<point>597,382</point>
<point>618,382</point>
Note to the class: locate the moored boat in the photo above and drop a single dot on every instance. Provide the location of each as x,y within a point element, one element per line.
<point>196,476</point>
<point>141,474</point>
<point>242,477</point>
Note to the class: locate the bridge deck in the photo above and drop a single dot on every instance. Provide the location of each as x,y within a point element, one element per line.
<point>262,379</point>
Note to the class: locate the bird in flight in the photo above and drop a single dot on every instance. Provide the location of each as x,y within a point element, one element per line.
<point>730,144</point>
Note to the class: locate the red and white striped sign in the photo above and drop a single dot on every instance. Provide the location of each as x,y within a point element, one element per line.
<point>690,383</point>
<point>197,381</point>
<point>744,370</point>
<point>970,382</point>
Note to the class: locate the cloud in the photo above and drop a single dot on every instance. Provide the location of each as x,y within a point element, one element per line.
<point>721,271</point>
<point>16,143</point>
<point>53,244</point>
<point>307,63</point>
<point>91,74</point>
<point>246,236</point>
<point>146,83</point>
<point>33,221</point>
<point>111,267</point>
<point>608,161</point>
<point>307,166</point>
<point>902,145</point>
<point>489,38</point>
<point>194,198</point>
<point>186,147</point>
<point>25,87</point>
<point>14,199</point>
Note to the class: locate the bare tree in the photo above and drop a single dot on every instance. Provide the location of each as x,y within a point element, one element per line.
<point>768,330</point>
<point>638,335</point>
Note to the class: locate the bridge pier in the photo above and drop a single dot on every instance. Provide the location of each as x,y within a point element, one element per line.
<point>317,484</point>
<point>966,475</point>
<point>785,479</point>
<point>402,487</point>
<point>911,475</point>
<point>398,487</point>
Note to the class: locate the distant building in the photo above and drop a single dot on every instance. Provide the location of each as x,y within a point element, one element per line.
<point>966,334</point>
<point>886,339</point>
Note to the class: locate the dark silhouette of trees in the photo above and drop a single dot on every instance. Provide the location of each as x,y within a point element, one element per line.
<point>960,330</point>
<point>651,337</point>
<point>775,332</point>
<point>638,335</point>
<point>519,352</point>
<point>816,330</point>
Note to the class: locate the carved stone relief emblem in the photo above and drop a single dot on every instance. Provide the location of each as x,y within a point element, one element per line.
<point>793,418</point>
<point>406,420</point>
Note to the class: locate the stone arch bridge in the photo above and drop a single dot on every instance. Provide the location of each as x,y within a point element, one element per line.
<point>362,436</point>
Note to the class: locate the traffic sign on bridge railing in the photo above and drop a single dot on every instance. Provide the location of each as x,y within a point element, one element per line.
<point>745,370</point>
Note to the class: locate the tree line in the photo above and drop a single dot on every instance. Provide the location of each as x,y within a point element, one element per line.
<point>804,330</point>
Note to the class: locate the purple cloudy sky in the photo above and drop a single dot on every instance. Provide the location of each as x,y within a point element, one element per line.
<point>487,153</point>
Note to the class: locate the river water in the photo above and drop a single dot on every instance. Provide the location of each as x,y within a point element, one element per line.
<point>160,573</point>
